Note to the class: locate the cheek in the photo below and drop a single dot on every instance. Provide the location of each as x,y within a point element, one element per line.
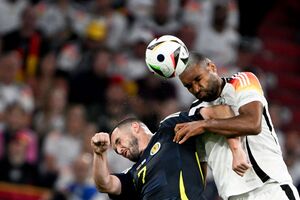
<point>208,82</point>
<point>202,84</point>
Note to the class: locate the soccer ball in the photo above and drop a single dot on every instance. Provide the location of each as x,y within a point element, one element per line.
<point>166,56</point>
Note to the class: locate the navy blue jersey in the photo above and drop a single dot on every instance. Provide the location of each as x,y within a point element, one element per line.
<point>166,170</point>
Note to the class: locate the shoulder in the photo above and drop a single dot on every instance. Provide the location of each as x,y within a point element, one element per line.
<point>170,119</point>
<point>244,80</point>
<point>179,117</point>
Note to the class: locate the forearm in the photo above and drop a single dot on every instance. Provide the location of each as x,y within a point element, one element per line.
<point>104,181</point>
<point>234,143</point>
<point>221,120</point>
<point>240,163</point>
<point>235,126</point>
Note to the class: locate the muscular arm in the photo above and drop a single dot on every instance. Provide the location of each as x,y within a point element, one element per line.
<point>248,122</point>
<point>217,113</point>
<point>240,162</point>
<point>105,182</point>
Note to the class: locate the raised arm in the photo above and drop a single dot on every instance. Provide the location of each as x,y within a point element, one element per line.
<point>105,182</point>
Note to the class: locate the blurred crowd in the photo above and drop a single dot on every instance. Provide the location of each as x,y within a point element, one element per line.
<point>70,68</point>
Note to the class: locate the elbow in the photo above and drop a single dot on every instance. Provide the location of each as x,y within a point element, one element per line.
<point>255,129</point>
<point>102,189</point>
<point>102,186</point>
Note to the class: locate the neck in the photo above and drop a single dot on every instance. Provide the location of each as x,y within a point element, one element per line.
<point>221,86</point>
<point>145,142</point>
<point>147,139</point>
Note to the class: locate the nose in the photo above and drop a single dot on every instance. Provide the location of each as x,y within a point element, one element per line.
<point>118,150</point>
<point>195,88</point>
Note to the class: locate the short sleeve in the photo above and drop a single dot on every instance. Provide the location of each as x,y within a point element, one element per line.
<point>128,191</point>
<point>248,88</point>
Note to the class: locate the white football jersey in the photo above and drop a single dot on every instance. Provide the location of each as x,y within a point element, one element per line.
<point>263,149</point>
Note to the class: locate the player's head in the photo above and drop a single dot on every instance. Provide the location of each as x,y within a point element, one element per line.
<point>200,78</point>
<point>130,138</point>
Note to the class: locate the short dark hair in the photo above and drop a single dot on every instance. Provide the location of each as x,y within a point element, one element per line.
<point>125,122</point>
<point>197,58</point>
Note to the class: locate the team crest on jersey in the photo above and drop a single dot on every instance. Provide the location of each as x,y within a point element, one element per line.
<point>155,148</point>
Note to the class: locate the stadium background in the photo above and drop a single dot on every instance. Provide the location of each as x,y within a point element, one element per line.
<point>71,68</point>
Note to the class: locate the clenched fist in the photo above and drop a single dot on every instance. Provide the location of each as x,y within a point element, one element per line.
<point>100,142</point>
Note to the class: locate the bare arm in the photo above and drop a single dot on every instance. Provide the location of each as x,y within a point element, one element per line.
<point>248,122</point>
<point>105,182</point>
<point>221,112</point>
<point>240,162</point>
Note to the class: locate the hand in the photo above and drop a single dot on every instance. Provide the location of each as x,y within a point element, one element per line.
<point>240,163</point>
<point>184,131</point>
<point>100,142</point>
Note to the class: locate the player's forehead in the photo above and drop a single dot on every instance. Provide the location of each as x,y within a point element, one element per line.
<point>192,72</point>
<point>115,135</point>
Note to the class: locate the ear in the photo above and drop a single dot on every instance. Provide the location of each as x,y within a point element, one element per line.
<point>211,67</point>
<point>135,127</point>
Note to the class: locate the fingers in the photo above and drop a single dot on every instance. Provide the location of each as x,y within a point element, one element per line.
<point>100,138</point>
<point>240,172</point>
<point>242,168</point>
<point>182,132</point>
<point>179,133</point>
<point>178,127</point>
<point>186,130</point>
<point>100,142</point>
<point>246,166</point>
<point>185,138</point>
<point>181,136</point>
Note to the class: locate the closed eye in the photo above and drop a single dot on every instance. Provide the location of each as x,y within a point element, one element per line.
<point>198,78</point>
<point>116,143</point>
<point>188,86</point>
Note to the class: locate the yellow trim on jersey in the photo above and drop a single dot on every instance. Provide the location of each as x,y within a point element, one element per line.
<point>200,169</point>
<point>182,188</point>
<point>143,172</point>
